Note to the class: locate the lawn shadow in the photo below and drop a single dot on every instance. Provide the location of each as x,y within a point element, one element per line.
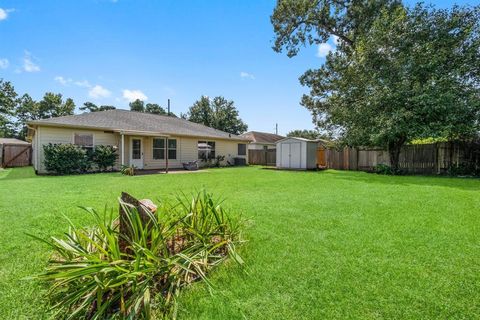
<point>470,184</point>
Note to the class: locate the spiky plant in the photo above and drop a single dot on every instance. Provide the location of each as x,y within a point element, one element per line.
<point>91,277</point>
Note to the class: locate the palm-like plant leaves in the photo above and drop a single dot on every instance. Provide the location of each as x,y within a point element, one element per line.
<point>91,277</point>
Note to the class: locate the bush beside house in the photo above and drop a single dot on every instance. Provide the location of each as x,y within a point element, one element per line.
<point>69,158</point>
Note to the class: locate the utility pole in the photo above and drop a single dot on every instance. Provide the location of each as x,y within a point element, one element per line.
<point>168,107</point>
<point>276,128</point>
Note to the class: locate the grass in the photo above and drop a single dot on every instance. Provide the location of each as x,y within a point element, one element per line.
<point>330,244</point>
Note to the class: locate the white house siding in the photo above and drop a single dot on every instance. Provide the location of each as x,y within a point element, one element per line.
<point>187,147</point>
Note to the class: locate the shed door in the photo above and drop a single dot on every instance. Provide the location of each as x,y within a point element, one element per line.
<point>295,155</point>
<point>285,155</point>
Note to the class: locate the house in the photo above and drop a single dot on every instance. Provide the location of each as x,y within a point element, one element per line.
<point>261,140</point>
<point>145,140</point>
<point>298,153</point>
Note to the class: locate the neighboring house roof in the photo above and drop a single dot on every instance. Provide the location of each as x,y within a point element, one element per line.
<point>136,122</point>
<point>12,141</point>
<point>261,137</point>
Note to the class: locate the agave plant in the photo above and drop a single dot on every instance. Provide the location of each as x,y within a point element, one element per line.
<point>92,276</point>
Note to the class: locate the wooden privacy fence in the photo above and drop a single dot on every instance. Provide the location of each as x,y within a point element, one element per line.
<point>16,155</point>
<point>263,157</point>
<point>436,158</point>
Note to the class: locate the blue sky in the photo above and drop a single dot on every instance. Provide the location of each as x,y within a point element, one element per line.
<point>109,52</point>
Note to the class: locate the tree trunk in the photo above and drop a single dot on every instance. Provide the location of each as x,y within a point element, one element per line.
<point>394,149</point>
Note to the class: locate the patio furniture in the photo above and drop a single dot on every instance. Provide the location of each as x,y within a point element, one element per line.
<point>191,166</point>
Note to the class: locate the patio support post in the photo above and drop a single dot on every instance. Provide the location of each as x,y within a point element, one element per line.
<point>123,148</point>
<point>166,155</point>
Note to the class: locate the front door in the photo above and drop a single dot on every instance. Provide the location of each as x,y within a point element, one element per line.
<point>136,152</point>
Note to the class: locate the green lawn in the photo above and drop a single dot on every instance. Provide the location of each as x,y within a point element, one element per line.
<point>345,245</point>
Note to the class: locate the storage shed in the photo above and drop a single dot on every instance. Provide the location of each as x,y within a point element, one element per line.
<point>14,153</point>
<point>297,153</point>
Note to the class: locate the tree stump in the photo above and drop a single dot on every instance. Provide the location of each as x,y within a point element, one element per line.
<point>125,227</point>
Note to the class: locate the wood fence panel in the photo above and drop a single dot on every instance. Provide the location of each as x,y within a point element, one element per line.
<point>433,158</point>
<point>16,155</point>
<point>263,157</point>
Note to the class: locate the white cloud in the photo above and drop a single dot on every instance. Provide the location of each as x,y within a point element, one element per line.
<point>246,75</point>
<point>324,49</point>
<point>132,95</point>
<point>83,84</point>
<point>28,64</point>
<point>4,63</point>
<point>4,13</point>
<point>98,92</point>
<point>62,80</point>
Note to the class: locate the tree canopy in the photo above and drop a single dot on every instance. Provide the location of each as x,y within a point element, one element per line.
<point>397,74</point>
<point>154,109</point>
<point>307,134</point>
<point>8,102</point>
<point>218,113</point>
<point>91,107</point>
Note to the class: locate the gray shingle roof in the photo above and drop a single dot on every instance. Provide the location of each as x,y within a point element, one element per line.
<point>124,120</point>
<point>261,137</point>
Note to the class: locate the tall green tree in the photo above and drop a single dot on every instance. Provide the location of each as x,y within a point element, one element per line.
<point>91,107</point>
<point>51,105</point>
<point>201,112</point>
<point>8,101</point>
<point>155,109</point>
<point>137,105</point>
<point>218,113</point>
<point>406,73</point>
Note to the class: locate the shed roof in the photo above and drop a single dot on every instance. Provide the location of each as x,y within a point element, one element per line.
<point>12,141</point>
<point>303,139</point>
<point>262,137</point>
<point>124,120</point>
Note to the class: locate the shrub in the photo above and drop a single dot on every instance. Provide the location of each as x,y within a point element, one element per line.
<point>383,169</point>
<point>104,157</point>
<point>66,158</point>
<point>93,275</point>
<point>128,170</point>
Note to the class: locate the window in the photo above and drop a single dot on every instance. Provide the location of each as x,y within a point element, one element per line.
<point>158,148</point>
<point>206,150</point>
<point>84,140</point>
<point>172,149</point>
<point>242,149</point>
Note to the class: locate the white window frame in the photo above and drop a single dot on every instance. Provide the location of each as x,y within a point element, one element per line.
<point>153,148</point>
<point>168,149</point>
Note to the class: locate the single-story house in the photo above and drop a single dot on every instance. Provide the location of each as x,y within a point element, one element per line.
<point>261,140</point>
<point>298,153</point>
<point>145,140</point>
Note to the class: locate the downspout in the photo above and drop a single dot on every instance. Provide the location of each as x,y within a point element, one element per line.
<point>123,148</point>
<point>36,146</point>
<point>166,154</point>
